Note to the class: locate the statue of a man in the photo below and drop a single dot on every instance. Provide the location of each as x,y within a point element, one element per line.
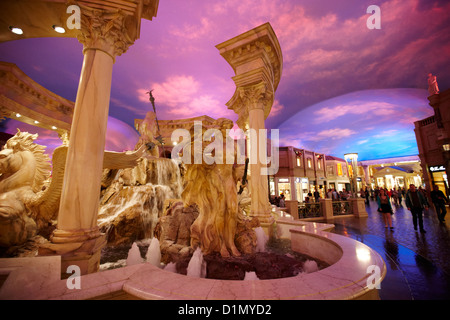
<point>432,85</point>
<point>148,131</point>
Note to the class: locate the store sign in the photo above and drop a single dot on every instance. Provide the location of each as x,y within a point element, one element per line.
<point>437,168</point>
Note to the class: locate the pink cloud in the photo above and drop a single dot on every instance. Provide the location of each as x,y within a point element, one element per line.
<point>184,97</point>
<point>276,108</point>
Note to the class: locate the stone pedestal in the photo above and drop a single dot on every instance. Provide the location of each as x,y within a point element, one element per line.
<point>359,207</point>
<point>326,206</point>
<point>85,254</point>
<point>292,208</point>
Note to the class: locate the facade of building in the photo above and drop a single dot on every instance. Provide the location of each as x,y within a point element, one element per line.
<point>300,172</point>
<point>390,173</point>
<point>337,174</point>
<point>433,141</point>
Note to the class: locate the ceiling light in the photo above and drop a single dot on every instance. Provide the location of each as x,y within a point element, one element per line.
<point>15,30</point>
<point>54,128</point>
<point>58,29</point>
<point>35,121</point>
<point>18,115</point>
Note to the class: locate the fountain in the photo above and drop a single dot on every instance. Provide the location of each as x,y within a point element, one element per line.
<point>198,229</point>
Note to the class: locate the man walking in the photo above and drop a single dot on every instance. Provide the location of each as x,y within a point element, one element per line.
<point>439,201</point>
<point>415,202</point>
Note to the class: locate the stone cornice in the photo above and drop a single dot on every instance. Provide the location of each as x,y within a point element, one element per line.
<point>20,94</point>
<point>46,13</point>
<point>260,42</point>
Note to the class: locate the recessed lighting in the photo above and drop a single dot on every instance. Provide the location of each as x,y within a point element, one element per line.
<point>15,30</point>
<point>54,128</point>
<point>18,115</point>
<point>58,29</point>
<point>35,121</point>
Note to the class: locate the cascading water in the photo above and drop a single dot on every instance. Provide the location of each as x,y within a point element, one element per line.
<point>134,200</point>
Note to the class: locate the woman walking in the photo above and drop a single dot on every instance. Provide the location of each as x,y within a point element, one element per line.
<point>385,208</point>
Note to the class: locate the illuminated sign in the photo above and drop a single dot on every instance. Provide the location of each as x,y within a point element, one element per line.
<point>339,169</point>
<point>437,168</point>
<point>283,180</point>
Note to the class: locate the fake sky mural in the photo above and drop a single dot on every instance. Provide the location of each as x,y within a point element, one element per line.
<point>344,87</point>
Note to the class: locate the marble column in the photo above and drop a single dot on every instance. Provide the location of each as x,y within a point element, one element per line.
<point>256,58</point>
<point>254,99</point>
<point>77,237</point>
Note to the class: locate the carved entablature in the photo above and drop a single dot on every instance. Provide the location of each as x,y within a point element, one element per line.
<point>255,57</point>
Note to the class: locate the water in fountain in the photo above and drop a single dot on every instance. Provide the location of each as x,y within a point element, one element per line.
<point>251,276</point>
<point>134,255</point>
<point>171,267</point>
<point>261,239</point>
<point>197,266</point>
<point>153,255</point>
<point>310,266</point>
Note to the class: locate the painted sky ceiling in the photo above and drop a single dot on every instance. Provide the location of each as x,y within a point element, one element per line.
<point>344,87</point>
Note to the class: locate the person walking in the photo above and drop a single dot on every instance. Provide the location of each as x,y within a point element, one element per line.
<point>439,200</point>
<point>385,208</point>
<point>416,202</point>
<point>316,195</point>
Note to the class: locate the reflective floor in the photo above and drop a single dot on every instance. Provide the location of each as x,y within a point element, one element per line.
<point>418,264</point>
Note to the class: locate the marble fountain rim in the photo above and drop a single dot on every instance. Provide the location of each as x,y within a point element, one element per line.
<point>338,281</point>
<point>345,279</point>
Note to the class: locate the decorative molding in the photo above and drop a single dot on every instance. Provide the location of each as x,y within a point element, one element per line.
<point>4,113</point>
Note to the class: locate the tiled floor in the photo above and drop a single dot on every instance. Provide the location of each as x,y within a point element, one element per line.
<point>418,264</point>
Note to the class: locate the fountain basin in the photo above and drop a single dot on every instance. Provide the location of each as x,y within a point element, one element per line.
<point>346,278</point>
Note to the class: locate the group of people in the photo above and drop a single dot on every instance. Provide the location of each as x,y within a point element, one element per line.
<point>415,200</point>
<point>279,201</point>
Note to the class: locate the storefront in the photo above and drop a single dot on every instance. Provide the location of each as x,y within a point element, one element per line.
<point>291,188</point>
<point>439,178</point>
<point>284,187</point>
<point>301,188</point>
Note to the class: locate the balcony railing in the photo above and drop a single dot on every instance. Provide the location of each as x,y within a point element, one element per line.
<point>309,210</point>
<point>342,208</point>
<point>427,121</point>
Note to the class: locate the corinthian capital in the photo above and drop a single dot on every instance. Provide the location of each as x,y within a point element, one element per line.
<point>251,97</point>
<point>104,30</point>
<point>255,96</point>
